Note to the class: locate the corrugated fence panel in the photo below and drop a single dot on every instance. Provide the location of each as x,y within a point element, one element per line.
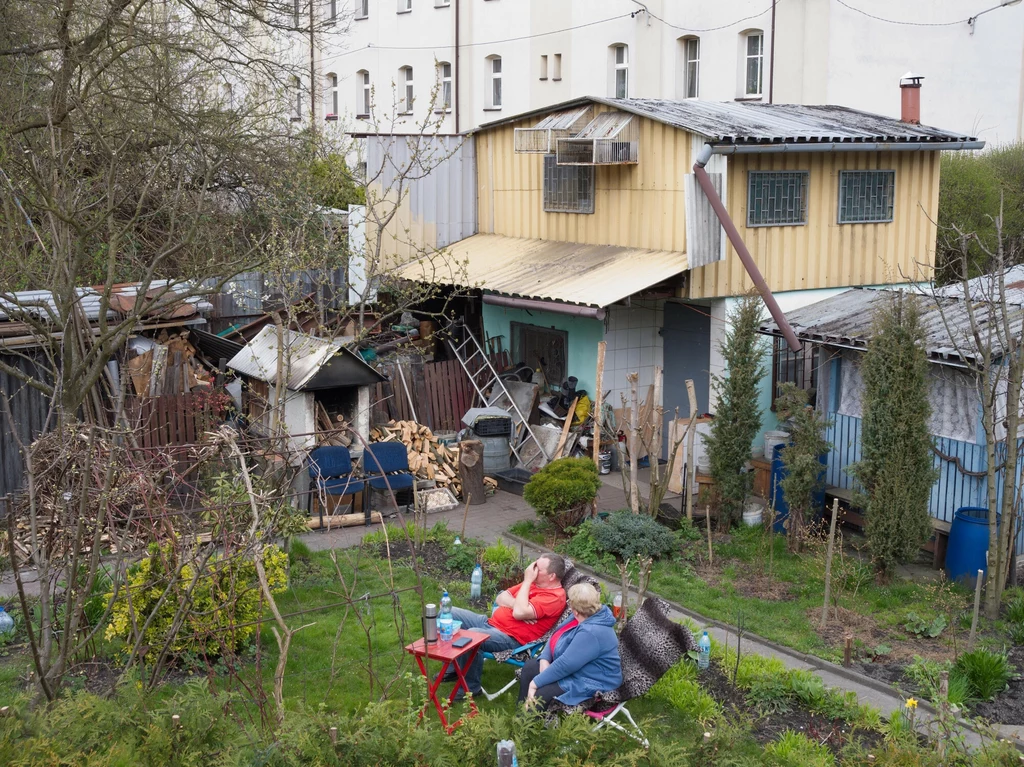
<point>29,408</point>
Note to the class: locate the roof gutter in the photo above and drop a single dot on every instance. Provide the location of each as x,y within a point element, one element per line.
<point>531,304</point>
<point>741,248</point>
<point>837,146</point>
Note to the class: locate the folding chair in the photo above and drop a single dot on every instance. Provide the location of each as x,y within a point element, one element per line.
<point>518,656</point>
<point>387,467</point>
<point>330,473</point>
<point>650,644</point>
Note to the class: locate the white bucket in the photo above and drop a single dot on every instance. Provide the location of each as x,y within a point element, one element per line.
<point>753,514</point>
<point>771,440</point>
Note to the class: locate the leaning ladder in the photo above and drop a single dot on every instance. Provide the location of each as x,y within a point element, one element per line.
<point>468,351</point>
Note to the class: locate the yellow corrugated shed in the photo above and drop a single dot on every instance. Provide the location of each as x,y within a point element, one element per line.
<point>574,272</point>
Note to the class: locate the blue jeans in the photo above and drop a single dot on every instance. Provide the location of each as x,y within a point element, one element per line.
<point>499,641</point>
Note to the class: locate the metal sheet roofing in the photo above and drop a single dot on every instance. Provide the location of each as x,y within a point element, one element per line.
<point>744,122</point>
<point>305,357</point>
<point>562,120</point>
<point>40,303</point>
<point>598,275</point>
<point>846,320</point>
<point>605,125</point>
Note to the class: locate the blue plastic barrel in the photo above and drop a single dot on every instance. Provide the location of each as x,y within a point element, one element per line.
<point>968,543</point>
<point>779,498</point>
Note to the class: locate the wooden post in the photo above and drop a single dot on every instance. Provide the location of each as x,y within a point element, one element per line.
<point>977,607</point>
<point>333,732</point>
<point>691,431</point>
<point>634,428</point>
<point>943,710</point>
<point>465,516</point>
<point>657,421</point>
<point>471,470</point>
<point>602,346</point>
<point>5,711</point>
<point>847,651</point>
<point>707,518</point>
<point>565,430</point>
<point>828,561</point>
<point>176,722</point>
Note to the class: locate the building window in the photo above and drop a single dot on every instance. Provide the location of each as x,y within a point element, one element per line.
<point>691,67</point>
<point>296,12</point>
<point>227,95</point>
<point>405,77</point>
<point>799,368</point>
<point>404,6</point>
<point>362,9</point>
<point>866,196</point>
<point>776,198</point>
<point>568,188</point>
<point>296,99</point>
<point>332,96</point>
<point>620,71</point>
<point>363,95</point>
<point>332,11</point>
<point>544,348</point>
<point>544,67</point>
<point>444,83</point>
<point>493,82</point>
<point>754,63</point>
<point>556,69</point>
<point>442,3</point>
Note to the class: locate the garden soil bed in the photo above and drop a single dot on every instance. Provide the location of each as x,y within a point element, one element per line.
<point>835,733</point>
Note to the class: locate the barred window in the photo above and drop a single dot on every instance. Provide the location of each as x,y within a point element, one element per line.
<point>568,188</point>
<point>800,368</point>
<point>866,196</point>
<point>776,198</point>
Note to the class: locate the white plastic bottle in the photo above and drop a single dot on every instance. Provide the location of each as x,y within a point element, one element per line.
<point>476,582</point>
<point>704,652</point>
<point>444,618</point>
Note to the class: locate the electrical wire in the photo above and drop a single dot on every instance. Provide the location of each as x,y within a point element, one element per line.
<point>714,29</point>
<point>903,23</point>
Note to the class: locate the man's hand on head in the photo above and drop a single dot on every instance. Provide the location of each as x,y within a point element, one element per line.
<point>532,571</point>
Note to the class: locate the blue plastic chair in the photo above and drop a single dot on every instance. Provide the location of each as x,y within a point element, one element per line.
<point>386,465</point>
<point>330,472</point>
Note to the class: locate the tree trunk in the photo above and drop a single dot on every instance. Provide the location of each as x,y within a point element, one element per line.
<point>471,470</point>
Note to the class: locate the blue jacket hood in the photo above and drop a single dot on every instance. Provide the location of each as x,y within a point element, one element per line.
<point>602,617</point>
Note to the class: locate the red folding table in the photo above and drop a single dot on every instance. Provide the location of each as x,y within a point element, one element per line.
<point>447,654</point>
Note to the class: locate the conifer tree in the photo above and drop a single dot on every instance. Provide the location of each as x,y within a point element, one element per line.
<point>896,467</point>
<point>804,478</point>
<point>738,415</point>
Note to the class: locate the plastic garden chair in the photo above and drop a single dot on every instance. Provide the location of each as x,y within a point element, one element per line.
<point>330,473</point>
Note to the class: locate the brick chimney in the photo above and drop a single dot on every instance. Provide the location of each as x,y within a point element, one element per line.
<point>910,98</point>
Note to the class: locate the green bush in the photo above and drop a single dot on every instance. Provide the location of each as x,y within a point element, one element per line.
<point>223,603</point>
<point>679,688</point>
<point>988,672</point>
<point>627,535</point>
<point>793,749</point>
<point>1015,610</point>
<point>562,490</point>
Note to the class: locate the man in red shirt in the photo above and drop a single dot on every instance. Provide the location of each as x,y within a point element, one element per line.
<point>524,613</point>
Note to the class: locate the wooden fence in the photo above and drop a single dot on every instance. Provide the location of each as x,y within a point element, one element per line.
<point>174,419</point>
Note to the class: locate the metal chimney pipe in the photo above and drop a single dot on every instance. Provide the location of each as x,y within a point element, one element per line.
<point>910,98</point>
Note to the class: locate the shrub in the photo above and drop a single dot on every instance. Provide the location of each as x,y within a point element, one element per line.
<point>1015,610</point>
<point>679,688</point>
<point>627,535</point>
<point>563,490</point>
<point>988,672</point>
<point>805,474</point>
<point>794,749</point>
<point>223,604</point>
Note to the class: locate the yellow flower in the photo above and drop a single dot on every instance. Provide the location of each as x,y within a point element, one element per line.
<point>911,703</point>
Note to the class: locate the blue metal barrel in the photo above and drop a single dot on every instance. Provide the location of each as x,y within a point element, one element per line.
<point>968,543</point>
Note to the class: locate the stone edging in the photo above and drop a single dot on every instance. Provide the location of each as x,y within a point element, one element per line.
<point>811,660</point>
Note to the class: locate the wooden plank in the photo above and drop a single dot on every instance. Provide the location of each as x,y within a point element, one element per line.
<point>189,405</point>
<point>178,405</point>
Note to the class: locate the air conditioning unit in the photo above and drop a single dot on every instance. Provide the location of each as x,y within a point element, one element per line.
<point>611,138</point>
<point>541,138</point>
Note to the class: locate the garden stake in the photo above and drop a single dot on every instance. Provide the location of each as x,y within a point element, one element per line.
<point>848,651</point>
<point>598,408</point>
<point>977,607</point>
<point>828,561</point>
<point>176,722</point>
<point>943,709</point>
<point>333,732</point>
<point>5,711</point>
<point>465,515</point>
<point>707,518</point>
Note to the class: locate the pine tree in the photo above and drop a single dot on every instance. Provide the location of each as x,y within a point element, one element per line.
<point>896,469</point>
<point>738,415</point>
<point>802,458</point>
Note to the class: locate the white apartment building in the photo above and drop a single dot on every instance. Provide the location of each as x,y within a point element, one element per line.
<point>472,61</point>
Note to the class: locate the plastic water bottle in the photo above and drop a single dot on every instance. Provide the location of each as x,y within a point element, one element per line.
<point>6,623</point>
<point>458,541</point>
<point>476,582</point>
<point>704,652</point>
<point>507,754</point>
<point>444,618</point>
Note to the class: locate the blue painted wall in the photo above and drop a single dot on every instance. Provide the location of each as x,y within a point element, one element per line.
<point>584,335</point>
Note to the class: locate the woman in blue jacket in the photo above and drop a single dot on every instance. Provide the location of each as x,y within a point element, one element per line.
<point>580,659</point>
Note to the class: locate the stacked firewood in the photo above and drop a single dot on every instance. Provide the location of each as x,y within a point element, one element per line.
<point>332,431</point>
<point>428,458</point>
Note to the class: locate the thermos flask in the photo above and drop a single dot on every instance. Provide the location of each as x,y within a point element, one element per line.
<point>430,623</point>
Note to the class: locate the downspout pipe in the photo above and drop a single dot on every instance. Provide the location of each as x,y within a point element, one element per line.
<point>741,248</point>
<point>531,304</point>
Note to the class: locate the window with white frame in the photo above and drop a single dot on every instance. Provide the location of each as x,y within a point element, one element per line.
<point>866,196</point>
<point>691,67</point>
<point>363,94</point>
<point>296,99</point>
<point>753,61</point>
<point>776,198</point>
<point>620,71</point>
<point>332,11</point>
<point>568,188</point>
<point>405,80</point>
<point>332,96</point>
<point>404,6</point>
<point>444,85</point>
<point>296,12</point>
<point>493,95</point>
<point>362,9</point>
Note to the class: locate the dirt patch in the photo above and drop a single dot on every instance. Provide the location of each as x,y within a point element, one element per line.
<point>868,635</point>
<point>760,586</point>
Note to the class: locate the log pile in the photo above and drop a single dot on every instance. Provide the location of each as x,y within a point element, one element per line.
<point>332,431</point>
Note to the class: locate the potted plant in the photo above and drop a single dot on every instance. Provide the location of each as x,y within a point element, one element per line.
<point>563,491</point>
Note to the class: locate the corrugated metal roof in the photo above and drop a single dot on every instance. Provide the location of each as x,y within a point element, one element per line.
<point>562,120</point>
<point>605,125</point>
<point>40,303</point>
<point>598,275</point>
<point>745,122</point>
<point>986,286</point>
<point>846,320</point>
<point>304,357</point>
